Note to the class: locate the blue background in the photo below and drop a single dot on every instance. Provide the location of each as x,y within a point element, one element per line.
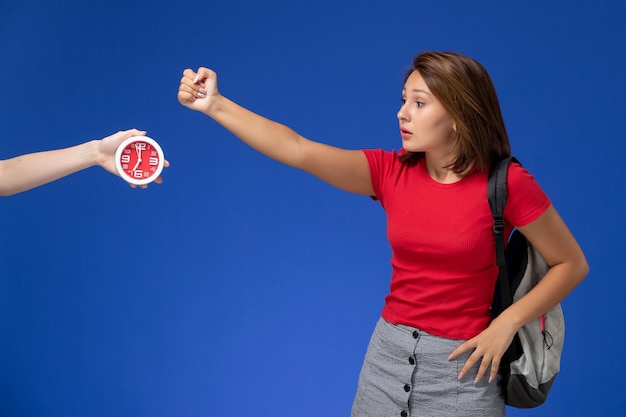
<point>243,287</point>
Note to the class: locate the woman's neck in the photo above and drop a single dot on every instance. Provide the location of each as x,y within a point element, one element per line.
<point>440,169</point>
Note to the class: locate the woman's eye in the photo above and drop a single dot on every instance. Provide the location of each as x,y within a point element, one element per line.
<point>420,103</point>
<point>403,100</point>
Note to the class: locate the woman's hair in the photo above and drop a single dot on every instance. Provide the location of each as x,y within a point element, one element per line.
<point>466,91</point>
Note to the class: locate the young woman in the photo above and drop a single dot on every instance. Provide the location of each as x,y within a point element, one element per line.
<point>29,171</point>
<point>435,349</point>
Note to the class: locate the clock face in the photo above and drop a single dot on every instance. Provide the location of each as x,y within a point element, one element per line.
<point>139,160</point>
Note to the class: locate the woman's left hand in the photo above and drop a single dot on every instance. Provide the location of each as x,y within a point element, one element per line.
<point>489,347</point>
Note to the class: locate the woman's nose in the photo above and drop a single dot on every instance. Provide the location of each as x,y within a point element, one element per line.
<point>401,114</point>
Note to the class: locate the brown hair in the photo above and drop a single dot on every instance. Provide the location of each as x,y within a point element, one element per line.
<point>466,91</point>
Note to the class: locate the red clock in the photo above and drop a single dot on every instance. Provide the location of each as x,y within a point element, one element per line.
<point>139,160</point>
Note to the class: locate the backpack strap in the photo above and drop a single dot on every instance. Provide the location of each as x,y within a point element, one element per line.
<point>496,194</point>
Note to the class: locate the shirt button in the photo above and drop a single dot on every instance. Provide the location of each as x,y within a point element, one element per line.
<point>407,388</point>
<point>416,334</point>
<point>404,414</point>
<point>411,360</point>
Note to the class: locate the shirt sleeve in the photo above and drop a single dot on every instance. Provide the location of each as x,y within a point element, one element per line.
<point>526,201</point>
<point>382,165</point>
<point>374,160</point>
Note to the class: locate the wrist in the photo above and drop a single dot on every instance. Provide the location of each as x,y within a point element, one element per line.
<point>215,105</point>
<point>509,321</point>
<point>95,156</point>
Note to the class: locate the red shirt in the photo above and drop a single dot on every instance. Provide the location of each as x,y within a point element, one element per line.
<point>443,249</point>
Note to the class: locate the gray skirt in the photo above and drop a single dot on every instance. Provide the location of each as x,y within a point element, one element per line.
<point>406,374</point>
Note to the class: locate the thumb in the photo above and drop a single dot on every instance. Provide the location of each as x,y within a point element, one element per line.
<point>202,75</point>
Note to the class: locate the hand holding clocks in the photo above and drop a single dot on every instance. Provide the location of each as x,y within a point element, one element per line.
<point>139,160</point>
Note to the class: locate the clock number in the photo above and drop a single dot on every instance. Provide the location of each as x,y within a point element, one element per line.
<point>154,161</point>
<point>138,174</point>
<point>140,146</point>
<point>125,159</point>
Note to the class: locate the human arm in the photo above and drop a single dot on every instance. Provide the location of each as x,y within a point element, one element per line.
<point>344,169</point>
<point>29,171</point>
<point>568,267</point>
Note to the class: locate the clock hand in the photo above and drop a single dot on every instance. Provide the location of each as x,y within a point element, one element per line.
<point>138,150</point>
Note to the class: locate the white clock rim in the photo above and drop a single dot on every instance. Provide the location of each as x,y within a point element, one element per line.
<point>130,179</point>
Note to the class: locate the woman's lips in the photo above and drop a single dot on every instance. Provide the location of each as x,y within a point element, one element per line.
<point>405,134</point>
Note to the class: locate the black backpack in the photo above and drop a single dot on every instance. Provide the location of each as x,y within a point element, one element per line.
<point>531,363</point>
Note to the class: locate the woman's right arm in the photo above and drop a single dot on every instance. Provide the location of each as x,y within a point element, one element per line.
<point>344,169</point>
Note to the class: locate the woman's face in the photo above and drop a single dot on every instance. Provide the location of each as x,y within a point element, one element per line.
<point>425,126</point>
